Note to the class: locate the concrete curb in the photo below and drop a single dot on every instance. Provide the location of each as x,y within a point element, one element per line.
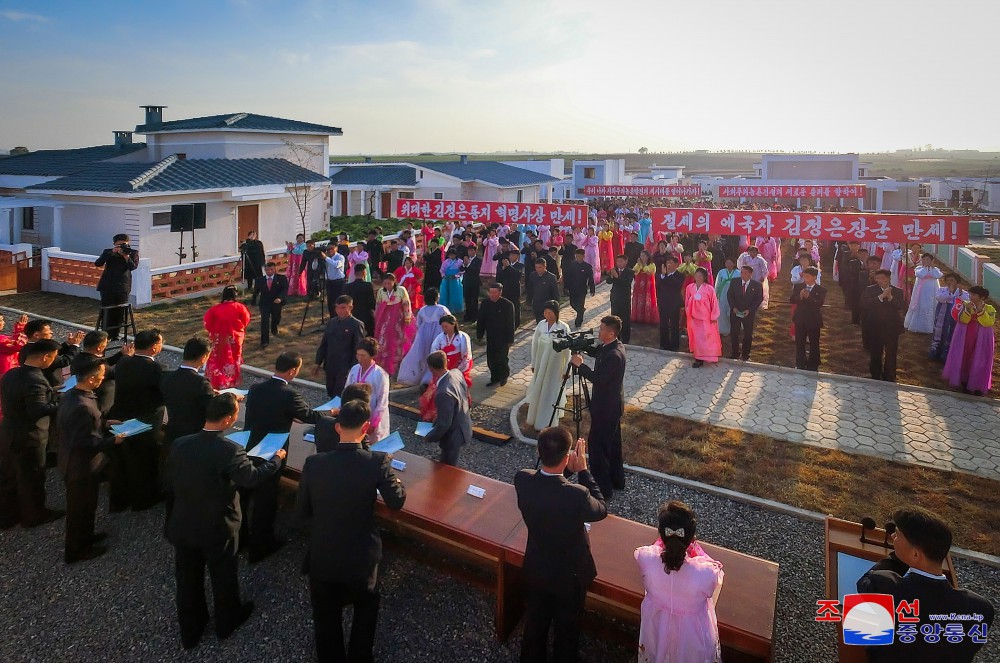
<point>752,500</point>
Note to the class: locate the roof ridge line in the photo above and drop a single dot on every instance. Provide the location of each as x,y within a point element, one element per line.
<point>233,119</point>
<point>149,174</point>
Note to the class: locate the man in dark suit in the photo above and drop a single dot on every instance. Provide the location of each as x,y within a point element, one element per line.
<point>471,285</point>
<point>558,565</point>
<point>254,258</point>
<point>578,279</point>
<point>509,276</point>
<point>36,330</point>
<point>115,283</point>
<point>82,462</point>
<point>850,278</point>
<point>633,249</point>
<point>497,322</point>
<point>745,297</point>
<point>376,254</point>
<point>95,344</point>
<point>203,472</point>
<point>395,257</point>
<point>336,352</point>
<point>621,278</point>
<point>541,287</point>
<point>187,393</point>
<point>808,318</point>
<point>607,405</point>
<point>363,299</point>
<point>921,542</point>
<point>567,253</point>
<point>337,493</point>
<point>866,279</point>
<point>28,404</point>
<point>432,265</point>
<point>325,434</point>
<point>883,323</point>
<point>669,285</point>
<point>271,407</point>
<point>271,291</point>
<point>136,464</point>
<point>453,425</point>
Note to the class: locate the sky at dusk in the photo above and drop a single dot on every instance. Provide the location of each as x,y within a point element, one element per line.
<point>470,76</point>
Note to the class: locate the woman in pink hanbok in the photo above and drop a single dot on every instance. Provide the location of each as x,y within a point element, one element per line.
<point>970,357</point>
<point>769,250</point>
<point>490,246</point>
<point>394,324</point>
<point>545,234</point>
<point>702,311</point>
<point>678,620</point>
<point>356,257</point>
<point>295,274</point>
<point>592,251</point>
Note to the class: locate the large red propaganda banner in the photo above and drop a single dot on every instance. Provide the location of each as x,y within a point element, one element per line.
<point>639,191</point>
<point>539,214</point>
<point>794,191</point>
<point>863,227</point>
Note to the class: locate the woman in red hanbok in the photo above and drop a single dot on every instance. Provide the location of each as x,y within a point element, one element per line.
<point>457,346</point>
<point>394,324</point>
<point>11,345</point>
<point>411,278</point>
<point>703,259</point>
<point>226,324</point>
<point>605,246</point>
<point>643,291</point>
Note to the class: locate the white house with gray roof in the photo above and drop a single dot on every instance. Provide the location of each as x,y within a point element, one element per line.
<point>253,172</point>
<point>364,188</point>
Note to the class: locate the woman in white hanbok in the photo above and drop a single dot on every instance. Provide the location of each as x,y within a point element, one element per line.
<point>548,367</point>
<point>413,368</point>
<point>920,315</point>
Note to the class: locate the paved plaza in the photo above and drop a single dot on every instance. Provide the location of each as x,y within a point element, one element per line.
<point>907,424</point>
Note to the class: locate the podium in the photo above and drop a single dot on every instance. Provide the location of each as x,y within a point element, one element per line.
<point>847,559</point>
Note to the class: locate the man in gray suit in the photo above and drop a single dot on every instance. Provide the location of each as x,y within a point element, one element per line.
<point>453,426</point>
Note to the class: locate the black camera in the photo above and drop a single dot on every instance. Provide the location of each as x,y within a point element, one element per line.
<point>579,341</point>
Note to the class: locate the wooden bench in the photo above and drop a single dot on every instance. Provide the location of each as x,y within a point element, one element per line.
<point>481,434</point>
<point>490,531</point>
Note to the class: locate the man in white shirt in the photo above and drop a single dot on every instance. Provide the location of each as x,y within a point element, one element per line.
<point>335,277</point>
<point>752,258</point>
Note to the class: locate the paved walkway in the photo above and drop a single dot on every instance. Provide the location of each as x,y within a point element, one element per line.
<point>896,422</point>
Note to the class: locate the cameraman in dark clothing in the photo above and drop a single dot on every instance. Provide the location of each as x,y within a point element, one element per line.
<point>607,405</point>
<point>116,282</point>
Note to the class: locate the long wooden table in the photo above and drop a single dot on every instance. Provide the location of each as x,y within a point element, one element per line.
<point>490,529</point>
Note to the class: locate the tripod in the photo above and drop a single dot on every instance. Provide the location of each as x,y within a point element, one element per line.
<point>580,396</point>
<point>317,283</point>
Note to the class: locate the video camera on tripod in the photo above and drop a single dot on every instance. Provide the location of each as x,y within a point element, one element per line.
<point>576,342</point>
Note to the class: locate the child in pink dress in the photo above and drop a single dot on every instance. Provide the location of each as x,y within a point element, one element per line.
<point>681,581</point>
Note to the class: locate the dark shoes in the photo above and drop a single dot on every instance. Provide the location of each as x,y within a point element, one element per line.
<point>93,552</point>
<point>260,554</point>
<point>698,363</point>
<point>503,383</point>
<point>48,516</point>
<point>491,383</point>
<point>98,537</point>
<point>244,614</point>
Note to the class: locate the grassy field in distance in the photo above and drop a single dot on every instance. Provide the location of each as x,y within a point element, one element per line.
<point>902,165</point>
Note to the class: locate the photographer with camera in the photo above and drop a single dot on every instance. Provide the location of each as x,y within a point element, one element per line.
<point>607,405</point>
<point>116,282</point>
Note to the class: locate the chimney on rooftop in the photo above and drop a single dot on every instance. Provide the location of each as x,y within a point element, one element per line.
<point>154,114</point>
<point>463,158</point>
<point>123,138</point>
<point>368,159</point>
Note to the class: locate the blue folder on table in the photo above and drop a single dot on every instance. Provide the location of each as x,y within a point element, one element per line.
<point>240,437</point>
<point>130,428</point>
<point>333,403</point>
<point>390,445</point>
<point>269,445</point>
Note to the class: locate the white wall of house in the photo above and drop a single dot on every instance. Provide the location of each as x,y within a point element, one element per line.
<point>242,145</point>
<point>550,167</point>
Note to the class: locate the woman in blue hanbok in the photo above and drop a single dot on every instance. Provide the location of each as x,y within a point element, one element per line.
<point>451,283</point>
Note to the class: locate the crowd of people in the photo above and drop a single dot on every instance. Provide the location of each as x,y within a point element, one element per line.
<point>397,315</point>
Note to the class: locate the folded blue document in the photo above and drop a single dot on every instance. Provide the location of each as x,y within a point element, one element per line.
<point>269,445</point>
<point>390,445</point>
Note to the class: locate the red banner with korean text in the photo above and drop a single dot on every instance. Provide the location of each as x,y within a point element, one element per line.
<point>864,227</point>
<point>667,191</point>
<point>539,214</point>
<point>793,191</point>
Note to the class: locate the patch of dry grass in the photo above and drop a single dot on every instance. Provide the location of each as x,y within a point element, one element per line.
<point>827,481</point>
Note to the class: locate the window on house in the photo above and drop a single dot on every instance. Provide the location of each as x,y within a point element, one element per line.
<point>438,196</point>
<point>520,195</point>
<point>421,174</point>
<point>406,195</point>
<point>590,173</point>
<point>28,218</point>
<point>161,219</point>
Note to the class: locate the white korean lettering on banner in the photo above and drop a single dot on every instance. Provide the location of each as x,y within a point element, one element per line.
<point>859,228</point>
<point>793,225</point>
<point>729,223</point>
<point>835,227</point>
